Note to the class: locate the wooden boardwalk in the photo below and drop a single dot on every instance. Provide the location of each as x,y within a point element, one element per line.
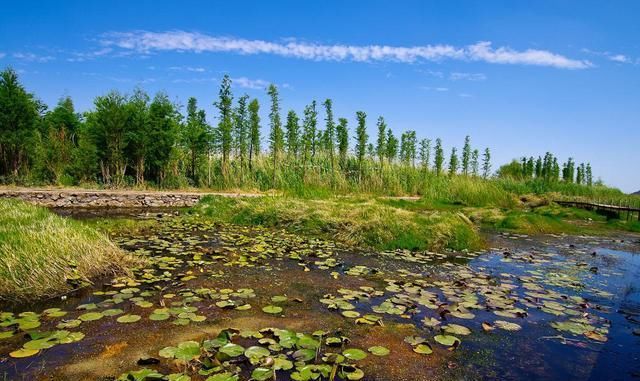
<point>628,211</point>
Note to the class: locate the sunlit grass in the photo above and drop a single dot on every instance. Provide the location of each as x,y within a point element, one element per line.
<point>41,253</point>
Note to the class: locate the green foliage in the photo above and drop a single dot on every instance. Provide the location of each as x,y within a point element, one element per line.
<point>133,140</point>
<point>358,222</point>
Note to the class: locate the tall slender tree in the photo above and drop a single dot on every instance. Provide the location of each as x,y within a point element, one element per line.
<point>453,162</point>
<point>392,146</point>
<point>475,163</point>
<point>308,134</point>
<point>486,163</point>
<point>361,140</point>
<point>438,157</point>
<point>466,156</point>
<point>329,132</point>
<point>254,131</point>
<point>225,124</point>
<point>195,136</point>
<point>381,146</point>
<point>342,133</point>
<point>241,130</point>
<point>276,137</point>
<point>292,133</point>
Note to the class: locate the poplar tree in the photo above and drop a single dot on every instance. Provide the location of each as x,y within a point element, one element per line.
<point>308,134</point>
<point>225,98</point>
<point>438,157</point>
<point>392,146</point>
<point>425,153</point>
<point>381,146</point>
<point>466,155</point>
<point>292,134</point>
<point>486,163</point>
<point>329,132</point>
<point>589,175</point>
<point>475,162</point>
<point>453,162</point>
<point>254,131</point>
<point>361,140</point>
<point>276,138</point>
<point>342,133</point>
<point>195,136</point>
<point>241,130</point>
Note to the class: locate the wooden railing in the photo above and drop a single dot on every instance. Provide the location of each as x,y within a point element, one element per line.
<point>627,210</point>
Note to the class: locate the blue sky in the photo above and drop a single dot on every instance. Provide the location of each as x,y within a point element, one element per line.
<point>520,77</point>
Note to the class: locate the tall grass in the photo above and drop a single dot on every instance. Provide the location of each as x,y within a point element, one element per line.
<point>360,222</point>
<point>41,254</point>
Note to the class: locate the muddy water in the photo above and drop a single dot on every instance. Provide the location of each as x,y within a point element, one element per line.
<point>552,308</point>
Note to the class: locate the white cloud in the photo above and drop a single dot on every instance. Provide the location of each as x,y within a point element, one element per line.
<point>146,42</point>
<point>81,57</point>
<point>439,89</point>
<point>188,68</point>
<point>620,58</point>
<point>195,80</point>
<point>465,95</point>
<point>246,83</point>
<point>482,51</point>
<point>467,76</point>
<point>32,57</point>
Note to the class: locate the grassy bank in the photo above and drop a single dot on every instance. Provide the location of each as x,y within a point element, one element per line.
<point>362,222</point>
<point>43,255</point>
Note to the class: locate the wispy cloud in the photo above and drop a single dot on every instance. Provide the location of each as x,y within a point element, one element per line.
<point>32,57</point>
<point>438,89</point>
<point>465,95</point>
<point>188,68</point>
<point>2,55</point>
<point>619,58</point>
<point>145,42</point>
<point>467,76</point>
<point>195,80</point>
<point>81,57</point>
<point>246,83</point>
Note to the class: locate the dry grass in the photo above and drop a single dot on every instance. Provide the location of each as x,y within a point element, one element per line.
<point>42,254</point>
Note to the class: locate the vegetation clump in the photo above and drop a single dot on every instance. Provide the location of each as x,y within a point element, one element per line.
<point>43,255</point>
<point>368,223</point>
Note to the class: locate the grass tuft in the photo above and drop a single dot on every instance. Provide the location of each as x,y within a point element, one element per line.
<point>42,254</point>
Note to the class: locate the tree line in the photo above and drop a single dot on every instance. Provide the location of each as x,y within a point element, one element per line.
<point>139,140</point>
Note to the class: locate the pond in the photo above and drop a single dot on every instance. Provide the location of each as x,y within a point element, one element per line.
<point>221,302</point>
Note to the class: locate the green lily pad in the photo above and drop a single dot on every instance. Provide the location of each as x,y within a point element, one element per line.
<point>187,351</point>
<point>232,350</point>
<point>262,374</point>
<point>91,316</point>
<point>20,353</point>
<point>423,349</point>
<point>270,309</point>
<point>354,354</point>
<point>226,376</point>
<point>379,351</point>
<point>256,352</point>
<point>128,318</point>
<point>447,340</point>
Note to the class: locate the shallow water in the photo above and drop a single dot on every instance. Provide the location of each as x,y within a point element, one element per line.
<point>568,306</point>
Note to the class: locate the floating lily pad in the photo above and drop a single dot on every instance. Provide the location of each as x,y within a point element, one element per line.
<point>379,351</point>
<point>354,354</point>
<point>128,318</point>
<point>270,309</point>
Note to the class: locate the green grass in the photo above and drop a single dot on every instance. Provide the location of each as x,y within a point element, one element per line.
<point>357,221</point>
<point>41,254</point>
